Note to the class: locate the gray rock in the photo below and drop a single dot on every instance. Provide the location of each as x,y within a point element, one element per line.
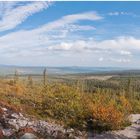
<point>13,123</point>
<point>22,123</point>
<point>20,115</point>
<point>70,130</point>
<point>138,121</point>
<point>7,132</point>
<point>4,109</point>
<point>15,115</point>
<point>28,136</point>
<point>79,133</point>
<point>30,123</point>
<point>71,136</point>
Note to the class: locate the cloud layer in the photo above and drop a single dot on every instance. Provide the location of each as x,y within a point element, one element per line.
<point>62,41</point>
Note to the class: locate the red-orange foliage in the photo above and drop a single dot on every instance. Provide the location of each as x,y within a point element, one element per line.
<point>108,115</point>
<point>110,112</point>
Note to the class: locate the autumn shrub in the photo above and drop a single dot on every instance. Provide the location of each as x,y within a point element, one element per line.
<point>107,116</point>
<point>109,113</point>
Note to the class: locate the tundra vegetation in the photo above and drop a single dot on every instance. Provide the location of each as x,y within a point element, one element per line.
<point>106,104</point>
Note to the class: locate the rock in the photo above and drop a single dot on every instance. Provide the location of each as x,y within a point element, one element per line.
<point>22,123</point>
<point>14,116</point>
<point>134,117</point>
<point>75,137</point>
<point>26,130</point>
<point>138,121</point>
<point>4,109</point>
<point>30,123</point>
<point>4,123</point>
<point>70,130</point>
<point>60,135</point>
<point>79,133</point>
<point>7,132</point>
<point>16,125</point>
<point>13,123</point>
<point>1,134</point>
<point>1,112</point>
<point>20,115</point>
<point>71,136</point>
<point>28,136</point>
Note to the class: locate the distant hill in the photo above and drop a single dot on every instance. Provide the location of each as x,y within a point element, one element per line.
<point>10,69</point>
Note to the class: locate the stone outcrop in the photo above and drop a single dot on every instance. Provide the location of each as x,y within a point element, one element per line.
<point>14,124</point>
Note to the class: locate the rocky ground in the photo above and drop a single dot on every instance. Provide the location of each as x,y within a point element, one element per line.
<point>15,125</point>
<point>130,132</point>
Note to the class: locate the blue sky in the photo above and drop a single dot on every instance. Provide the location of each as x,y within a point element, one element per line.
<point>70,33</point>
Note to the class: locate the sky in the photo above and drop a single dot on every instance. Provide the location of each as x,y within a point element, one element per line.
<point>93,34</point>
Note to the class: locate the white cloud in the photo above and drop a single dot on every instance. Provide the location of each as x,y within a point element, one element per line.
<point>114,13</point>
<point>123,52</point>
<point>74,27</point>
<point>120,60</point>
<point>70,19</point>
<point>121,45</point>
<point>13,14</point>
<point>42,45</point>
<point>101,59</point>
<point>122,13</point>
<point>71,46</point>
<point>33,42</point>
<point>54,38</point>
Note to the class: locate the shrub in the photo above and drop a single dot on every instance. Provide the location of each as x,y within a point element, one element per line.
<point>109,113</point>
<point>107,116</point>
<point>69,105</point>
<point>65,104</point>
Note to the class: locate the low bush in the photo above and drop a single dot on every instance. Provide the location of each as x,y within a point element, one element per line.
<point>68,105</point>
<point>109,113</point>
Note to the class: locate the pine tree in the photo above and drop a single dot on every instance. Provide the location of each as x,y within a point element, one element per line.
<point>44,76</point>
<point>30,80</point>
<point>16,77</point>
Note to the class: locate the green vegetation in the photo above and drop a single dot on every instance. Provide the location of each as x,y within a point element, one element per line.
<point>73,102</point>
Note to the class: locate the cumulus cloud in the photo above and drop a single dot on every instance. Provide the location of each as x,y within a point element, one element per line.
<point>54,38</point>
<point>35,44</point>
<point>14,13</point>
<point>122,45</point>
